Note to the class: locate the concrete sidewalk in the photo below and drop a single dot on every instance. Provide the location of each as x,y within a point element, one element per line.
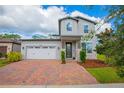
<point>115,85</point>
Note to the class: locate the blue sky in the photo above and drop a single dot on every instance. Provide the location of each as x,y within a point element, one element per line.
<point>96,10</point>
<point>43,20</point>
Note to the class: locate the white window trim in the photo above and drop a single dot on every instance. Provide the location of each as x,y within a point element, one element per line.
<point>86,46</point>
<point>84,26</point>
<point>92,47</point>
<point>71,27</point>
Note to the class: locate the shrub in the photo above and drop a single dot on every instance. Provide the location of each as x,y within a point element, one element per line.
<point>5,55</point>
<point>101,57</point>
<point>14,56</point>
<point>82,55</point>
<point>120,71</point>
<point>63,57</point>
<point>107,60</point>
<point>1,54</point>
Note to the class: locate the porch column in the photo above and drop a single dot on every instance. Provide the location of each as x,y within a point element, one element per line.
<point>78,48</point>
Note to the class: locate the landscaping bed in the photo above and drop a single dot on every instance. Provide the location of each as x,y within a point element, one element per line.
<point>102,72</point>
<point>93,64</point>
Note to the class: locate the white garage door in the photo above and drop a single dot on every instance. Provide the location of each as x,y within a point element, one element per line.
<point>44,52</point>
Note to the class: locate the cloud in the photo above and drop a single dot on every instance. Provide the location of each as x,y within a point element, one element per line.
<point>7,22</point>
<point>100,27</point>
<point>29,20</point>
<point>77,13</point>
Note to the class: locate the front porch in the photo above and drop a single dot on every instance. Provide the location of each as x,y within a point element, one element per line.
<point>72,46</point>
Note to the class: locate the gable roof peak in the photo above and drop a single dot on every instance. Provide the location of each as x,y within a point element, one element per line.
<point>68,17</point>
<point>89,20</point>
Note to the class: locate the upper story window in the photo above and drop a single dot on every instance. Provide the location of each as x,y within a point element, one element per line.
<point>69,27</point>
<point>85,28</point>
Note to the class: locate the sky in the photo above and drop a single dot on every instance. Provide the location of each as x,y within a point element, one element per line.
<point>43,20</point>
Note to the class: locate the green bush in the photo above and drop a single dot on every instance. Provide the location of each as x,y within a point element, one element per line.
<point>1,54</point>
<point>63,57</point>
<point>82,55</point>
<point>14,56</point>
<point>101,57</point>
<point>109,60</point>
<point>120,72</point>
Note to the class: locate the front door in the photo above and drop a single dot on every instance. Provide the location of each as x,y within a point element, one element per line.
<point>68,50</point>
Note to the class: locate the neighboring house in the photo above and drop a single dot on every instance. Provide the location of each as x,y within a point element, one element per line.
<point>71,30</point>
<point>8,45</point>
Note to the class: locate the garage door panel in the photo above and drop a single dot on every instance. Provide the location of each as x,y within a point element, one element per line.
<point>41,53</point>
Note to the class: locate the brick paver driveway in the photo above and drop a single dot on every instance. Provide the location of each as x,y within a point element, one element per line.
<point>44,72</point>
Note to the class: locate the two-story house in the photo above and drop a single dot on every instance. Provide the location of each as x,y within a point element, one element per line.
<point>71,30</point>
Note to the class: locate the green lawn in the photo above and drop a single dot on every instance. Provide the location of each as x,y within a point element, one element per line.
<point>3,62</point>
<point>105,75</point>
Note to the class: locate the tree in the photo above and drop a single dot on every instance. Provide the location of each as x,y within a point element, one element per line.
<point>113,45</point>
<point>88,36</point>
<point>106,44</point>
<point>37,36</point>
<point>10,36</point>
<point>116,13</point>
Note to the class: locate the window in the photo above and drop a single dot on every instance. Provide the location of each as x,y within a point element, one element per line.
<point>69,27</point>
<point>84,45</point>
<point>37,47</point>
<point>85,28</point>
<point>51,47</point>
<point>44,47</point>
<point>29,46</point>
<point>87,46</point>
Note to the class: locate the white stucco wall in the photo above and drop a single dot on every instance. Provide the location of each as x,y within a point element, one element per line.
<point>24,44</point>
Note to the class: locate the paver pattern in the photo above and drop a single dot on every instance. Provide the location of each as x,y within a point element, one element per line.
<point>45,72</point>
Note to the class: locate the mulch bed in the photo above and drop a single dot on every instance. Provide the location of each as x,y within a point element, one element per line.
<point>93,64</point>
